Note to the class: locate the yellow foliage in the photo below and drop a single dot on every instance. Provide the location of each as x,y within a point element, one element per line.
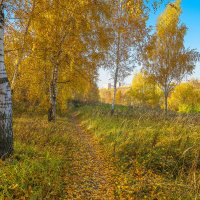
<point>186,97</point>
<point>55,34</point>
<point>145,91</point>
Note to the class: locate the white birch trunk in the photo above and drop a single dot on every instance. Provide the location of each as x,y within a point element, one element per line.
<point>115,90</point>
<point>6,133</point>
<point>13,82</point>
<point>53,95</point>
<point>116,73</point>
<point>166,94</point>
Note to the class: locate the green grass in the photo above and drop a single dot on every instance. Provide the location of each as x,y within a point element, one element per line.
<point>160,158</point>
<point>38,166</point>
<point>156,158</point>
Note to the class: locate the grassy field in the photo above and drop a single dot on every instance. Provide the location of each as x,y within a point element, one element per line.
<point>38,166</point>
<point>134,154</point>
<point>160,158</point>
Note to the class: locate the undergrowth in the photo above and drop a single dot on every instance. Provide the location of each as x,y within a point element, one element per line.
<point>37,168</point>
<point>160,158</point>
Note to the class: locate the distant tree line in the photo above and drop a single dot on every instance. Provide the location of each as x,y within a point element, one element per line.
<point>144,92</point>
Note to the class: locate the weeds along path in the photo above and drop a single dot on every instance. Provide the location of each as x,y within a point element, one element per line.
<point>90,174</point>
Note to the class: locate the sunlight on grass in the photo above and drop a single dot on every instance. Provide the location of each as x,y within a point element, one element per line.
<point>37,168</point>
<point>159,158</point>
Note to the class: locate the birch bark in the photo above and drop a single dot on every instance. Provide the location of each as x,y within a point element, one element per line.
<point>116,73</point>
<point>6,133</point>
<point>53,94</point>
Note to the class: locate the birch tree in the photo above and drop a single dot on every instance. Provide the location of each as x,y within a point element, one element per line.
<point>129,29</point>
<point>63,48</point>
<point>74,30</point>
<point>144,91</point>
<point>166,60</point>
<point>22,41</point>
<point>6,133</point>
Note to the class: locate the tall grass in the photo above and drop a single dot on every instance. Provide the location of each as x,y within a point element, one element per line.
<point>38,166</point>
<point>160,157</point>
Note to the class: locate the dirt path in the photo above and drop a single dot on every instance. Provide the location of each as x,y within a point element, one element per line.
<point>91,174</point>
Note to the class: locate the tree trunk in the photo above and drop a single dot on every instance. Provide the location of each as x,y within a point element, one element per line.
<point>115,91</point>
<point>116,73</point>
<point>53,95</point>
<point>166,104</point>
<point>6,133</point>
<point>13,82</point>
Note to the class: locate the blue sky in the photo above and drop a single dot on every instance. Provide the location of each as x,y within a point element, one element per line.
<point>190,17</point>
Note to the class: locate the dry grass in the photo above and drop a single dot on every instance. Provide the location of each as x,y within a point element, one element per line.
<point>154,158</point>
<point>159,158</point>
<point>37,168</point>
